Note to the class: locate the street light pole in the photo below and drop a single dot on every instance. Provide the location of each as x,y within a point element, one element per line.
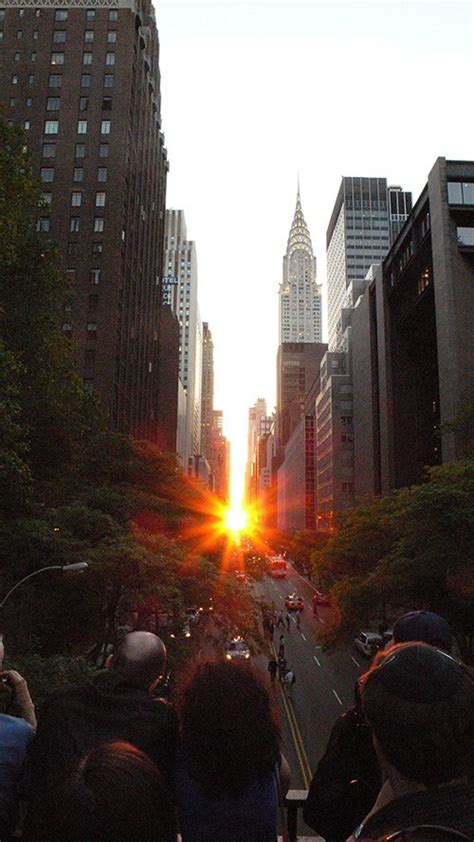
<point>75,567</point>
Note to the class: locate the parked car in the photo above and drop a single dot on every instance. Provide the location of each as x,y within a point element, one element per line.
<point>368,643</point>
<point>320,598</point>
<point>294,602</point>
<point>237,648</point>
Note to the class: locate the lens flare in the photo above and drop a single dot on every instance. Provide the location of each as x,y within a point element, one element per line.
<point>236,520</point>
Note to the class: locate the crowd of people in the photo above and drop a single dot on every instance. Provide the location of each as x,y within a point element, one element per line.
<point>110,760</point>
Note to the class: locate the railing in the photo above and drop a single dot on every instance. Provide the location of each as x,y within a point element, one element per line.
<point>295,799</point>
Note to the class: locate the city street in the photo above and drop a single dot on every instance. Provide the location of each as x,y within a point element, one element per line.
<point>324,681</point>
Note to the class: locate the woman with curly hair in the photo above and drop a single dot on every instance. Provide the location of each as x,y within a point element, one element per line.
<point>229,763</point>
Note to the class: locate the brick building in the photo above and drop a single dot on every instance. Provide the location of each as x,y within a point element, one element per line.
<point>84,82</point>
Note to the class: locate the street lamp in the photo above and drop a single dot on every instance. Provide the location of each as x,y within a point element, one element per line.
<point>77,566</point>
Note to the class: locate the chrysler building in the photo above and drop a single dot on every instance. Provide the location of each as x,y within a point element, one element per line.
<point>300,294</point>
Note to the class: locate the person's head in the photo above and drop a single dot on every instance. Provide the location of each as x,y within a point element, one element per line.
<point>419,703</point>
<point>114,792</point>
<point>426,627</point>
<point>229,731</point>
<point>140,658</point>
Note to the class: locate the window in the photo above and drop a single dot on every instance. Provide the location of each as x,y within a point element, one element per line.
<point>82,126</point>
<point>111,37</point>
<point>107,103</point>
<point>108,81</point>
<point>99,224</point>
<point>2,14</point>
<point>55,81</point>
<point>465,236</point>
<point>59,36</point>
<point>110,59</point>
<point>29,102</point>
<point>17,56</point>
<point>31,78</point>
<point>32,56</point>
<point>105,127</point>
<point>60,14</point>
<point>12,102</point>
<point>100,200</point>
<point>468,193</point>
<point>87,58</point>
<point>47,174</point>
<point>80,151</point>
<point>53,103</point>
<point>57,58</point>
<point>26,125</point>
<point>89,36</point>
<point>96,248</point>
<point>66,327</point>
<point>51,127</point>
<point>49,150</point>
<point>74,224</point>
<point>83,103</point>
<point>86,79</point>
<point>104,150</point>
<point>43,224</point>
<point>78,174</point>
<point>90,14</point>
<point>14,80</point>
<point>89,361</point>
<point>1,34</point>
<point>19,33</point>
<point>21,12</point>
<point>91,330</point>
<point>35,34</point>
<point>46,198</point>
<point>73,249</point>
<point>113,14</point>
<point>94,276</point>
<point>76,200</point>
<point>101,173</point>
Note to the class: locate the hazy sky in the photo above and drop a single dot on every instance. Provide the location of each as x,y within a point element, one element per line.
<point>252,93</point>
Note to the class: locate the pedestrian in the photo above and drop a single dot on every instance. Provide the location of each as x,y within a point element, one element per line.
<point>272,669</point>
<point>298,619</point>
<point>281,647</point>
<point>289,681</point>
<point>281,620</point>
<point>271,630</point>
<point>281,667</point>
<point>288,620</point>
<point>315,606</point>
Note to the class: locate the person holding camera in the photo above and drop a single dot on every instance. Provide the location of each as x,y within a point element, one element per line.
<point>17,727</point>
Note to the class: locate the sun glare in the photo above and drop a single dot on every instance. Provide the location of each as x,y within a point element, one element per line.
<point>236,519</point>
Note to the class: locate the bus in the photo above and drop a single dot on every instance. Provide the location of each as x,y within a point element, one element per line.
<point>278,567</point>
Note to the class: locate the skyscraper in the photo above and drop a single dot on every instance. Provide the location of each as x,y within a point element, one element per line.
<point>84,82</point>
<point>365,217</point>
<point>181,288</point>
<point>207,392</point>
<point>300,294</point>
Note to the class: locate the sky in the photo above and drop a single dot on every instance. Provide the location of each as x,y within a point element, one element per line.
<point>255,93</point>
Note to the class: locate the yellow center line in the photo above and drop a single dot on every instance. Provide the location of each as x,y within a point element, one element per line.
<point>303,761</point>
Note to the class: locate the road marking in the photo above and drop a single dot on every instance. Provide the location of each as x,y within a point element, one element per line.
<point>318,647</point>
<point>337,697</point>
<point>317,661</point>
<point>321,621</point>
<point>302,635</point>
<point>356,662</point>
<point>297,740</point>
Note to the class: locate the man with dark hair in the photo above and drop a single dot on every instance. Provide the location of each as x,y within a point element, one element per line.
<point>419,703</point>
<point>116,705</point>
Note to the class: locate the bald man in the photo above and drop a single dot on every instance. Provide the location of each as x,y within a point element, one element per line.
<point>116,705</point>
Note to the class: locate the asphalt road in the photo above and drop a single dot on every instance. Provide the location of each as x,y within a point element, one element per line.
<point>324,681</point>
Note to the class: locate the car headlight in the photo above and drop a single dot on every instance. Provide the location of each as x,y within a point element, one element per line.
<point>229,657</point>
<point>247,654</point>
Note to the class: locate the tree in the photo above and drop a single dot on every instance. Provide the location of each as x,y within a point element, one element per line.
<point>411,549</point>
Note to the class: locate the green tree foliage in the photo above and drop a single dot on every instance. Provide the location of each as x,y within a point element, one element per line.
<point>411,549</point>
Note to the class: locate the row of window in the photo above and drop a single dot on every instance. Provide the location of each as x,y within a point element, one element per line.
<point>49,151</point>
<point>62,14</point>
<point>53,103</point>
<point>43,225</point>
<point>57,59</point>
<point>59,36</point>
<point>460,193</point>
<point>56,81</point>
<point>91,329</point>
<point>51,127</point>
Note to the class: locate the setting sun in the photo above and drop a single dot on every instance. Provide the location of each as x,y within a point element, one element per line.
<point>236,519</point>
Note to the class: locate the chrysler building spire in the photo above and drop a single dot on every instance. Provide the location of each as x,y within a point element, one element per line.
<point>300,294</point>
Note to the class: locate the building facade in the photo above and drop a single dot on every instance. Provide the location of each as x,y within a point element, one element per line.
<point>299,293</point>
<point>207,388</point>
<point>181,293</point>
<point>366,215</point>
<point>256,413</point>
<point>413,330</point>
<point>84,82</point>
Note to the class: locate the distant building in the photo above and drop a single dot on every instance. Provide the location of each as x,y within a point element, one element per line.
<point>299,294</point>
<point>413,355</point>
<point>207,389</point>
<point>297,369</point>
<point>256,413</point>
<point>181,293</point>
<point>335,438</point>
<point>366,215</point>
<point>219,456</point>
<point>84,83</point>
